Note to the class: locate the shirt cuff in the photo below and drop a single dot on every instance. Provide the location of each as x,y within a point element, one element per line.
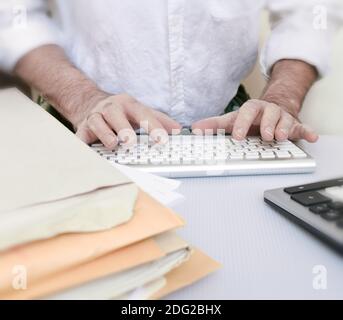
<point>312,47</point>
<point>16,42</point>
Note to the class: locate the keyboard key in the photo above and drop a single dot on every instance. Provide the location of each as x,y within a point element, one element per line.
<point>252,155</point>
<point>285,143</point>
<point>332,215</point>
<point>283,155</point>
<point>123,161</point>
<point>156,161</point>
<point>320,208</point>
<point>308,199</point>
<point>299,155</point>
<point>236,157</point>
<point>314,186</point>
<point>336,206</point>
<point>268,155</point>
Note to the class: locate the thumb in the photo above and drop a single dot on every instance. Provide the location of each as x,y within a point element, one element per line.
<point>168,123</point>
<point>303,131</point>
<point>225,122</point>
<point>309,134</point>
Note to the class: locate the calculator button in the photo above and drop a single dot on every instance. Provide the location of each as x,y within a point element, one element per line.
<point>332,215</point>
<point>320,208</point>
<point>340,224</point>
<point>336,206</point>
<point>335,193</point>
<point>308,199</point>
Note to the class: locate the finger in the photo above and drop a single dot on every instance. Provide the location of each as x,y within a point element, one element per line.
<point>225,122</point>
<point>117,120</point>
<point>100,128</point>
<point>301,131</point>
<point>284,127</point>
<point>86,135</point>
<point>245,119</point>
<point>309,134</point>
<point>169,124</point>
<point>270,118</point>
<point>143,117</point>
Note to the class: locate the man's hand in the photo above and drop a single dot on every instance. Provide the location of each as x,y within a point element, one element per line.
<point>96,115</point>
<point>275,115</point>
<point>115,118</point>
<point>258,117</point>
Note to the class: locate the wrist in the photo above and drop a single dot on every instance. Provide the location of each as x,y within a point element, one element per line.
<point>291,105</point>
<point>289,84</point>
<point>76,101</point>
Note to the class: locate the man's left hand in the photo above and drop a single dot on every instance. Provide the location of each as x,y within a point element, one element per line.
<point>259,117</point>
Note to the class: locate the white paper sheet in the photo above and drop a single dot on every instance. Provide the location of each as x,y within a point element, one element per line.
<point>162,189</point>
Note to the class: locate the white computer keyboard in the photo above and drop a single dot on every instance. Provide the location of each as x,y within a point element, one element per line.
<point>190,155</point>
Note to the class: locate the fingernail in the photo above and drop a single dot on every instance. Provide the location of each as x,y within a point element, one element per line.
<point>285,133</point>
<point>160,137</point>
<point>239,133</point>
<point>269,132</point>
<point>110,140</point>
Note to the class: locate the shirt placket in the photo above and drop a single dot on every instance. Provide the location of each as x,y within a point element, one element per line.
<point>176,48</point>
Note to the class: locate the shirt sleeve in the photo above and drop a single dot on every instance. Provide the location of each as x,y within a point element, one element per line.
<point>24,26</point>
<point>301,30</point>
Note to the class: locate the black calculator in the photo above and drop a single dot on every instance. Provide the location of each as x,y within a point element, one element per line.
<point>318,207</point>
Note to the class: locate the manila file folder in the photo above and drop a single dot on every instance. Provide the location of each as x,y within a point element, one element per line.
<point>45,170</point>
<point>46,258</point>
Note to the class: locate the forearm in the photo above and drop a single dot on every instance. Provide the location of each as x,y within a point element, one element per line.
<point>289,84</point>
<point>48,70</point>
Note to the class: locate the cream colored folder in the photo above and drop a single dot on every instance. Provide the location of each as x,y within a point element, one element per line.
<point>96,211</point>
<point>45,169</point>
<point>43,259</point>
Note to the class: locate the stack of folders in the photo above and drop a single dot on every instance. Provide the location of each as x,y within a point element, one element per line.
<point>74,227</point>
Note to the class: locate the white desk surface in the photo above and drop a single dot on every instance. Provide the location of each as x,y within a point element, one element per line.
<point>265,256</point>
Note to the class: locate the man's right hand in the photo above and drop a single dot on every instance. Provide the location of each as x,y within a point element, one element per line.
<point>96,115</point>
<point>114,119</point>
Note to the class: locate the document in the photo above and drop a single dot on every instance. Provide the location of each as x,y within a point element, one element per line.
<point>196,268</point>
<point>97,211</point>
<point>113,263</point>
<point>42,161</point>
<point>48,257</point>
<point>112,286</point>
<point>45,170</point>
<point>162,189</point>
<point>144,292</point>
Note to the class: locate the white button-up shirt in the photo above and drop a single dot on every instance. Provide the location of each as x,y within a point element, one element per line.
<point>183,57</point>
